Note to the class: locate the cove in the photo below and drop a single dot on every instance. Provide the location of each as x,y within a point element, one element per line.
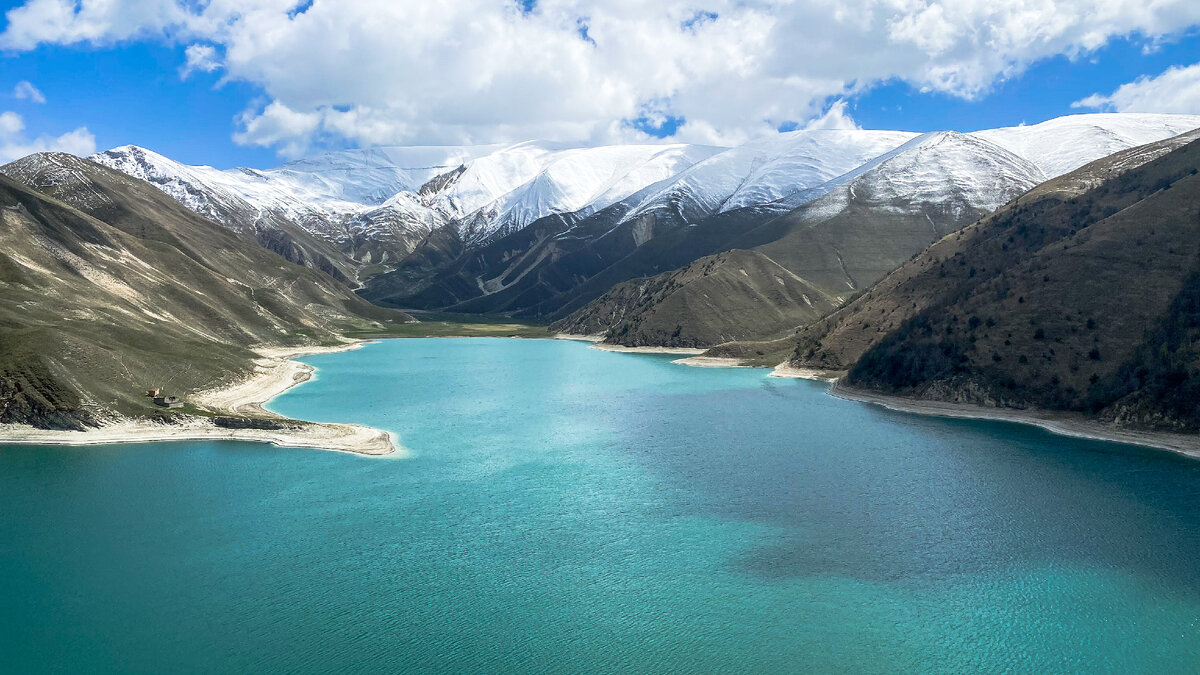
<point>569,510</point>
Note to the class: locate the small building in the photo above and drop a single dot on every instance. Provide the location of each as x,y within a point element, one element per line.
<point>168,401</point>
<point>155,392</point>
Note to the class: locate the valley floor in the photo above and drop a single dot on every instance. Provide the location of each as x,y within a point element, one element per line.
<point>274,374</point>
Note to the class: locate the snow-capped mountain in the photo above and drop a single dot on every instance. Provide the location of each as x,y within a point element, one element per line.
<point>363,202</point>
<point>1066,143</point>
<point>513,187</point>
<point>766,170</point>
<point>838,209</point>
<point>374,207</point>
<point>959,172</point>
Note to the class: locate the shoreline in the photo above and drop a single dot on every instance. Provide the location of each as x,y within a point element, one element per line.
<point>598,344</point>
<point>622,349</point>
<point>1063,424</point>
<point>274,373</point>
<point>711,362</point>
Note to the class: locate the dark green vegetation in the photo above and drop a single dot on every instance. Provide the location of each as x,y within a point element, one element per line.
<point>1083,295</point>
<point>109,287</point>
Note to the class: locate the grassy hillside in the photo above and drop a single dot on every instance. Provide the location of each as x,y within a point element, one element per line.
<point>736,295</point>
<point>1081,295</point>
<point>109,287</point>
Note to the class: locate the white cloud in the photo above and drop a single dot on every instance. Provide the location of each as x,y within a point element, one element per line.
<point>87,21</point>
<point>25,91</point>
<point>413,71</point>
<point>11,124</point>
<point>14,144</point>
<point>1175,90</point>
<point>834,118</point>
<point>200,57</point>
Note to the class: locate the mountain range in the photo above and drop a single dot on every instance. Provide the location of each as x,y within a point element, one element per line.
<point>128,267</point>
<point>523,228</point>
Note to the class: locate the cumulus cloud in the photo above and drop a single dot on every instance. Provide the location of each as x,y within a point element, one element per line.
<point>412,71</point>
<point>1175,90</point>
<point>14,143</point>
<point>25,91</point>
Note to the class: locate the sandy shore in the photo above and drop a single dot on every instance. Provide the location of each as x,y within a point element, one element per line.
<point>597,343</point>
<point>646,350</point>
<point>785,369</point>
<point>1056,422</point>
<point>274,374</point>
<point>581,338</point>
<point>711,362</point>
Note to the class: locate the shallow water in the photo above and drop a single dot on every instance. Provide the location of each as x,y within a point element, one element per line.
<point>571,510</point>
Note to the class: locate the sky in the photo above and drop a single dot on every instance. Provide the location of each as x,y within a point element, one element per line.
<point>257,82</point>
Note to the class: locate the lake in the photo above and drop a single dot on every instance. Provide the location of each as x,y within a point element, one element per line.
<point>568,510</point>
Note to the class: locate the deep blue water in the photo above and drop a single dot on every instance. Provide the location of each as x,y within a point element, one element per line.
<point>570,510</point>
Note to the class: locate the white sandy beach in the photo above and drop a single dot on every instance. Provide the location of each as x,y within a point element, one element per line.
<point>578,338</point>
<point>274,374</point>
<point>646,350</point>
<point>711,362</point>
<point>787,370</point>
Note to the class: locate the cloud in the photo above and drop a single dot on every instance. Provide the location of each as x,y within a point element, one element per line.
<point>25,91</point>
<point>14,144</point>
<point>1175,90</point>
<point>200,57</point>
<point>87,21</point>
<point>411,71</point>
<point>834,118</point>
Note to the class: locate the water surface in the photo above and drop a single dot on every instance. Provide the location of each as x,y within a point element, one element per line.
<point>571,510</point>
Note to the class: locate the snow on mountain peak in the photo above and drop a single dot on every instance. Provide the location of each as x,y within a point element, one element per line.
<point>1064,144</point>
<point>486,191</point>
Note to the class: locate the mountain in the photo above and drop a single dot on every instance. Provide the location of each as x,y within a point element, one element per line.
<point>336,213</point>
<point>767,196</point>
<point>109,287</point>
<point>1064,144</point>
<point>1082,295</point>
<point>736,295</point>
<point>511,188</point>
<point>354,213</point>
<point>868,222</point>
<point>561,260</point>
<point>764,171</point>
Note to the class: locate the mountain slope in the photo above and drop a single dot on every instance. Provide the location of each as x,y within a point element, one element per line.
<point>560,261</point>
<point>763,193</point>
<point>1081,296</point>
<point>108,287</point>
<point>867,223</point>
<point>736,295</point>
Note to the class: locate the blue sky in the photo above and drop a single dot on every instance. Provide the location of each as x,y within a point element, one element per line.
<point>129,88</point>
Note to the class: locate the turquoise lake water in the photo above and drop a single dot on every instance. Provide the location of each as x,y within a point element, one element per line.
<point>566,510</point>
